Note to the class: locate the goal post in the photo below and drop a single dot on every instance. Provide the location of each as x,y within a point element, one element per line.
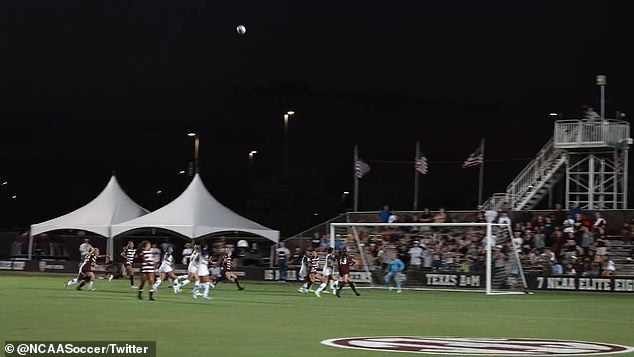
<point>451,256</point>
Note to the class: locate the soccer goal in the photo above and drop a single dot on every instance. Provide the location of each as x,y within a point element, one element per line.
<point>447,256</point>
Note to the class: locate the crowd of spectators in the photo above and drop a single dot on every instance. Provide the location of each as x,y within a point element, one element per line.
<point>560,242</point>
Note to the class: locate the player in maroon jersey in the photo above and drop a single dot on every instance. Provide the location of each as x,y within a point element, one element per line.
<point>147,268</point>
<point>226,269</point>
<point>345,262</point>
<point>85,271</point>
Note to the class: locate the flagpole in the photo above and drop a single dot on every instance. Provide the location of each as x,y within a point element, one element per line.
<point>355,206</point>
<point>481,178</point>
<point>416,176</point>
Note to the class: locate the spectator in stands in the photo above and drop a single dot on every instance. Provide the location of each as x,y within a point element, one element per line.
<point>558,216</point>
<point>415,256</point>
<point>589,114</point>
<point>539,240</point>
<point>504,218</point>
<point>602,248</point>
<point>557,268</point>
<point>296,258</point>
<point>549,228</point>
<point>315,242</point>
<point>441,216</point>
<point>608,267</point>
<point>599,221</point>
<point>384,215</point>
<point>575,209</point>
<point>426,216</point>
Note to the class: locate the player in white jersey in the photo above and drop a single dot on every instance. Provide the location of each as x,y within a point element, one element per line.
<point>192,269</point>
<point>303,273</point>
<point>203,275</point>
<point>327,273</point>
<point>167,270</point>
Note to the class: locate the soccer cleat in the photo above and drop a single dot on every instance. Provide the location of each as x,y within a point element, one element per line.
<point>337,293</point>
<point>399,291</point>
<point>139,295</point>
<point>357,293</point>
<point>207,297</point>
<point>195,296</point>
<point>317,293</point>
<point>199,294</point>
<point>133,287</point>
<point>302,290</point>
<point>334,292</point>
<point>110,278</point>
<point>78,288</point>
<point>241,288</point>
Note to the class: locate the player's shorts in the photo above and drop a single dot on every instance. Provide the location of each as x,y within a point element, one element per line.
<point>192,270</point>
<point>86,268</point>
<point>128,264</point>
<point>203,271</point>
<point>326,272</point>
<point>214,271</point>
<point>164,269</point>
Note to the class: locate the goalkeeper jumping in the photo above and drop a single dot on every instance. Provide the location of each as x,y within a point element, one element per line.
<point>394,272</point>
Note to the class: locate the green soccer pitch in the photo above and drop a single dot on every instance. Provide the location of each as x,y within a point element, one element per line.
<point>273,319</point>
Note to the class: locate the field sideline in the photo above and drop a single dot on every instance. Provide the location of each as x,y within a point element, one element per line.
<point>273,319</point>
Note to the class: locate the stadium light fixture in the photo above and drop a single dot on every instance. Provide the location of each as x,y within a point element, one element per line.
<point>191,134</point>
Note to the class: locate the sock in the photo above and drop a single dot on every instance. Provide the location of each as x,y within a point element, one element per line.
<point>398,283</point>
<point>354,288</point>
<point>196,287</point>
<point>331,283</point>
<point>131,280</point>
<point>206,289</point>
<point>157,283</point>
<point>235,280</point>
<point>151,294</point>
<point>341,285</point>
<point>335,285</point>
<point>90,285</point>
<point>81,284</point>
<point>185,282</point>
<point>321,288</point>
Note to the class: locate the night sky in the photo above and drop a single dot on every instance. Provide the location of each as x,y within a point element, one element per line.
<point>92,87</point>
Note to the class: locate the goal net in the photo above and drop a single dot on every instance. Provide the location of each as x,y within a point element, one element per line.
<point>454,256</point>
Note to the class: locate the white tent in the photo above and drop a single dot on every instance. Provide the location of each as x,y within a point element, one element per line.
<point>196,213</point>
<point>111,206</point>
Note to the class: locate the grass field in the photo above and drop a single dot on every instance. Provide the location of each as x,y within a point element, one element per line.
<point>273,319</point>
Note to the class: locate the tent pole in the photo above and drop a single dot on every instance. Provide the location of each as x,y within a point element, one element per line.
<point>30,252</point>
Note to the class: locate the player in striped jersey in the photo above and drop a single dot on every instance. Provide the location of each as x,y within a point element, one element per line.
<point>147,268</point>
<point>167,270</point>
<point>192,269</point>
<point>345,262</point>
<point>327,273</point>
<point>128,253</point>
<point>226,269</point>
<point>85,269</point>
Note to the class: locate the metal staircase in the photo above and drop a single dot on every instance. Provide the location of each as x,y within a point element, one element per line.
<point>534,182</point>
<point>590,156</point>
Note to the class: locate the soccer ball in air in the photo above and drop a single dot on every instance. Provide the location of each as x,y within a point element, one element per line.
<point>241,29</point>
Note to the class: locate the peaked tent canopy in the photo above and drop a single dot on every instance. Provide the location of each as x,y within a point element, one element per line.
<point>111,206</point>
<point>196,213</point>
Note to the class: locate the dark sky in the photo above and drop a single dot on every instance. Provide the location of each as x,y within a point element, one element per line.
<point>90,87</point>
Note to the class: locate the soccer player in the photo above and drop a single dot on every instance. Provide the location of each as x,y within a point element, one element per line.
<point>128,253</point>
<point>167,270</point>
<point>192,269</point>
<point>147,268</point>
<point>303,272</point>
<point>345,262</point>
<point>203,275</point>
<point>86,269</point>
<point>395,268</point>
<point>226,270</point>
<point>327,271</point>
<point>313,268</point>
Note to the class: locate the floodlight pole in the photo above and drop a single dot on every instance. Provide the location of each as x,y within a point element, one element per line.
<point>602,81</point>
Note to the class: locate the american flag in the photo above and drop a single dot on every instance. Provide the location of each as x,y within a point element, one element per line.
<point>474,159</point>
<point>361,168</point>
<point>421,165</point>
